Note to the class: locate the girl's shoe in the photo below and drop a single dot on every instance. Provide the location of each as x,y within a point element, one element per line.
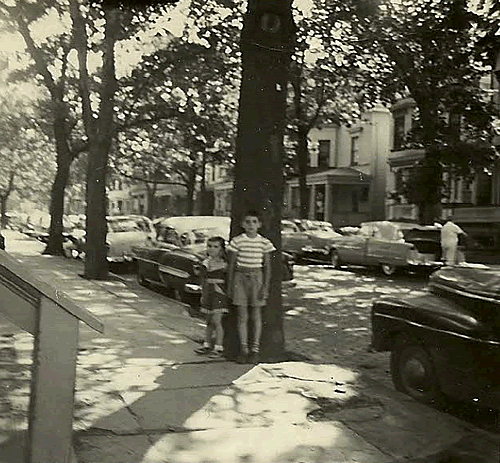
<point>203,350</point>
<point>216,354</point>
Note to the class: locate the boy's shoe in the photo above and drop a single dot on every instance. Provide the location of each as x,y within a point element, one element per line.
<point>203,350</point>
<point>242,359</point>
<point>253,358</point>
<point>216,354</point>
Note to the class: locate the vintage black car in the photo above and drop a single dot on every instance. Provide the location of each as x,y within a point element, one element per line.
<point>445,342</point>
<point>174,260</point>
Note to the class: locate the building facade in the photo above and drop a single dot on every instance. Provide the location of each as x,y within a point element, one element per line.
<point>472,204</point>
<point>346,174</point>
<point>130,197</point>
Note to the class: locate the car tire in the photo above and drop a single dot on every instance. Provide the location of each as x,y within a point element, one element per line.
<point>388,269</point>
<point>413,372</point>
<point>334,258</point>
<point>141,280</point>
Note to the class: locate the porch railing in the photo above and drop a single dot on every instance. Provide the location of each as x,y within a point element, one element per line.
<point>52,318</point>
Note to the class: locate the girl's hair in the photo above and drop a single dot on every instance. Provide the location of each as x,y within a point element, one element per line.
<point>222,242</point>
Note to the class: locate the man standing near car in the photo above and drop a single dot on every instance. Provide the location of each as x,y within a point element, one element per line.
<point>449,241</point>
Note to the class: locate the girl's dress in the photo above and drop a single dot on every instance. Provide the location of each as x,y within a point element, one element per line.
<point>214,292</point>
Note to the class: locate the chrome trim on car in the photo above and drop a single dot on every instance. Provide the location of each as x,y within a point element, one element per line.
<point>142,259</point>
<point>419,325</point>
<point>192,288</point>
<point>173,271</point>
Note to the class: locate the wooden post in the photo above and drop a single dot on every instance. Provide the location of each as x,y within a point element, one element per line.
<point>52,385</point>
<point>52,318</point>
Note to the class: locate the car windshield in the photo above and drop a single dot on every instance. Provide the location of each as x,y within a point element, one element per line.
<point>124,225</point>
<point>289,227</point>
<point>200,235</point>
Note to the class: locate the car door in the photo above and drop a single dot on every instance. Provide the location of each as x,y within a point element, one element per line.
<point>293,240</point>
<point>386,245</point>
<point>352,249</point>
<point>177,267</point>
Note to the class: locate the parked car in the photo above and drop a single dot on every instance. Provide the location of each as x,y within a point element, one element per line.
<point>174,261</point>
<point>124,232</point>
<point>311,244</point>
<point>445,342</point>
<point>390,246</point>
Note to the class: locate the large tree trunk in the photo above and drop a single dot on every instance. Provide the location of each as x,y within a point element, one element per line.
<point>96,265</point>
<point>151,192</point>
<point>4,197</point>
<point>3,210</point>
<point>303,161</point>
<point>203,190</point>
<point>191,190</point>
<point>266,46</point>
<point>429,210</point>
<point>55,244</point>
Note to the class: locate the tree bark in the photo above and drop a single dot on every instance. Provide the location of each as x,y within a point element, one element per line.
<point>4,197</point>
<point>267,42</point>
<point>55,243</point>
<point>191,190</point>
<point>151,192</point>
<point>100,138</point>
<point>429,210</point>
<point>3,210</point>
<point>203,189</point>
<point>64,158</point>
<point>302,162</point>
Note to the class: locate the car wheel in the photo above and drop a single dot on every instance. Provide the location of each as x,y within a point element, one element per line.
<point>141,280</point>
<point>389,269</point>
<point>334,258</point>
<point>413,372</point>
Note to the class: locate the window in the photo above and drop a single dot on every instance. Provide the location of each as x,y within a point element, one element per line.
<point>324,153</point>
<point>399,131</point>
<point>354,151</point>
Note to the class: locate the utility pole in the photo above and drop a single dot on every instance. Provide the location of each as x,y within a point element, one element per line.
<point>267,43</point>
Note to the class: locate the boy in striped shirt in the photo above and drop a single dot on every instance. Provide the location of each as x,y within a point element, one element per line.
<point>249,274</point>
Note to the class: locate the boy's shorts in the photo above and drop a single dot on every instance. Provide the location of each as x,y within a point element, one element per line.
<point>247,284</point>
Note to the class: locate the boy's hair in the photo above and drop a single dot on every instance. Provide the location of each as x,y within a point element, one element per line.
<point>221,241</point>
<point>252,213</point>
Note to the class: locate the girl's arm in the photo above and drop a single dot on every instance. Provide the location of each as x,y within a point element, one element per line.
<point>230,273</point>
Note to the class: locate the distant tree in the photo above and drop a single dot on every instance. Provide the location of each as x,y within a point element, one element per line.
<point>26,154</point>
<point>181,102</point>
<point>50,64</point>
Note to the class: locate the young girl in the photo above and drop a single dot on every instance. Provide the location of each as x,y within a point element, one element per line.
<point>214,301</point>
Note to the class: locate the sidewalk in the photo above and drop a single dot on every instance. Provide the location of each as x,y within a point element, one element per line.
<point>142,395</point>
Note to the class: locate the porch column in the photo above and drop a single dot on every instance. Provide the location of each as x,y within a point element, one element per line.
<point>312,207</point>
<point>328,198</point>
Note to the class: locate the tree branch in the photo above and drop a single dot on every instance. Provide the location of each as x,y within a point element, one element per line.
<point>35,53</point>
<point>146,180</point>
<point>80,40</point>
